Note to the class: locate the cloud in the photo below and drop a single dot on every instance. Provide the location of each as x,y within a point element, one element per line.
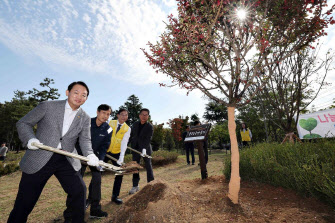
<point>98,37</point>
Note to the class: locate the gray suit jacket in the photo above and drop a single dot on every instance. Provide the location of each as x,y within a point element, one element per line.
<point>49,116</point>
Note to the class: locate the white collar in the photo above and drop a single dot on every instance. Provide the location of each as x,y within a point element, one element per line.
<point>118,123</point>
<point>67,106</point>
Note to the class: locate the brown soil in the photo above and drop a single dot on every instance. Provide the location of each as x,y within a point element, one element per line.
<point>177,195</point>
<point>206,201</point>
<point>131,165</point>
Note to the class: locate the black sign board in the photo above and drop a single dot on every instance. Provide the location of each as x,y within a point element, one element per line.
<point>198,133</point>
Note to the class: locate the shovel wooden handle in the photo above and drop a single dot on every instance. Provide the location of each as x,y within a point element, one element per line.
<point>134,150</point>
<point>106,166</point>
<point>112,158</point>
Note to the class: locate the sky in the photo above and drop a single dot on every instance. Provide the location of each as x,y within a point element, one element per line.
<point>98,42</point>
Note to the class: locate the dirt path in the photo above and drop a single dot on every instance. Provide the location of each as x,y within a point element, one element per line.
<point>179,195</point>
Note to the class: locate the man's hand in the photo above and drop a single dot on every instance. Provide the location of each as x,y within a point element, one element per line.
<point>144,152</point>
<point>31,141</point>
<point>100,167</point>
<point>92,160</point>
<point>120,160</point>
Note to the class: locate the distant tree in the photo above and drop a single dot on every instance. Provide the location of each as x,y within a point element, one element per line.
<point>333,105</point>
<point>185,122</point>
<point>176,128</point>
<point>294,84</point>
<point>215,112</point>
<point>134,106</point>
<point>44,95</point>
<point>194,118</point>
<point>19,106</point>
<point>219,134</point>
<point>253,115</point>
<point>10,113</point>
<point>157,137</point>
<point>169,140</point>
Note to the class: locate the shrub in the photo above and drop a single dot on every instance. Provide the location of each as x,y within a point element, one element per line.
<point>11,164</point>
<point>13,156</point>
<point>308,168</point>
<point>159,158</point>
<point>7,168</point>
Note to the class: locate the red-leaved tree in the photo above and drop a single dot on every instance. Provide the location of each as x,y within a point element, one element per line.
<point>212,48</point>
<point>176,127</point>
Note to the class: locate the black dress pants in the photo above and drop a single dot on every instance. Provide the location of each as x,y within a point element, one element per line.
<point>245,143</point>
<point>148,167</point>
<point>31,186</point>
<point>94,192</point>
<point>189,148</point>
<point>118,178</point>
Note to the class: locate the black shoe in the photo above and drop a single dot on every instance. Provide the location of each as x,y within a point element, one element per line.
<point>117,200</point>
<point>188,163</point>
<point>98,214</point>
<point>88,203</point>
<point>192,163</point>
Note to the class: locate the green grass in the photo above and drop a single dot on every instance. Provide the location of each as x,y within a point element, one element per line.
<point>51,204</point>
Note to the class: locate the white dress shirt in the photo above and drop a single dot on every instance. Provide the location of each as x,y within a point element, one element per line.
<point>124,141</point>
<point>69,115</point>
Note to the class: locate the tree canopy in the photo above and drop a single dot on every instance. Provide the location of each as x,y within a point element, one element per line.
<point>19,106</point>
<point>209,47</point>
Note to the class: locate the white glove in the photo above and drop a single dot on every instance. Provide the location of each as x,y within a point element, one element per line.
<point>144,152</point>
<point>31,141</point>
<point>100,167</point>
<point>120,160</point>
<point>92,160</point>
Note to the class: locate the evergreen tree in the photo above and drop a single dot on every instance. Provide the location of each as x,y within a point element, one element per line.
<point>215,112</point>
<point>169,140</point>
<point>157,137</point>
<point>19,106</point>
<point>134,106</point>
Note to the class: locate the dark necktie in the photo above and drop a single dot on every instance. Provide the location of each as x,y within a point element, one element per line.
<point>118,128</point>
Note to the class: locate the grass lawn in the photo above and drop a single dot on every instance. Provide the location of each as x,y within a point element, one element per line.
<point>51,203</point>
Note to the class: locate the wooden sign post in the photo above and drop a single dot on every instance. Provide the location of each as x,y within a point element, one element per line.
<point>199,134</point>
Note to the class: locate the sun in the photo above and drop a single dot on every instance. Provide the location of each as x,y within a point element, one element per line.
<point>241,14</point>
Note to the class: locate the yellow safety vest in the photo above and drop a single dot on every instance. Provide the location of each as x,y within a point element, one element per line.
<point>245,135</point>
<point>115,146</point>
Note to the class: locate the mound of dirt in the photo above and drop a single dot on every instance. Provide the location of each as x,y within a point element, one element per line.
<point>206,201</point>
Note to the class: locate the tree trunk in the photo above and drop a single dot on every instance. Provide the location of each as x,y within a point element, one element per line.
<point>234,184</point>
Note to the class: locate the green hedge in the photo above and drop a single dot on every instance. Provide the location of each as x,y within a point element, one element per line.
<point>7,168</point>
<point>308,168</point>
<point>11,164</point>
<point>159,158</point>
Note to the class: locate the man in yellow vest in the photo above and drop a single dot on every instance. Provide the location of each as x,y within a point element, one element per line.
<point>245,135</point>
<point>117,148</point>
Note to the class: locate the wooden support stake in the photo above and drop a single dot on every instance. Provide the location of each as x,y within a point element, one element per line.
<point>200,145</point>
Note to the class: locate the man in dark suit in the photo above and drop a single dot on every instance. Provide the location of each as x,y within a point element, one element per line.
<point>59,124</point>
<point>140,138</point>
<point>189,147</point>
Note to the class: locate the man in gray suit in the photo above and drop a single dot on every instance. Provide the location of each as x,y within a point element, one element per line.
<point>140,138</point>
<point>59,124</point>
